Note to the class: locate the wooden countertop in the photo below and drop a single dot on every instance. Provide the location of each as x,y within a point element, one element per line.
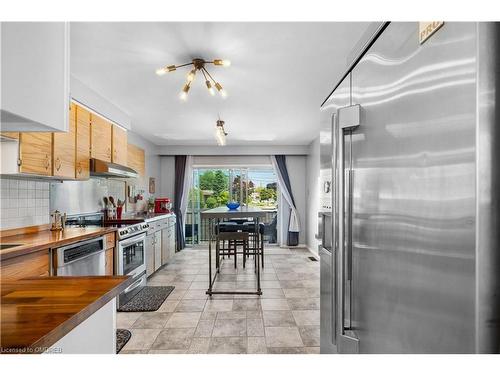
<point>37,312</point>
<point>45,239</point>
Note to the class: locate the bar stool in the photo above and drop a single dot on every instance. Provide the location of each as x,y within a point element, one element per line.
<point>258,245</point>
<point>234,239</point>
<point>224,227</point>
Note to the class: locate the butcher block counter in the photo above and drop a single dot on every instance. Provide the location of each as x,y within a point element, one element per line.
<point>60,314</point>
<point>44,239</point>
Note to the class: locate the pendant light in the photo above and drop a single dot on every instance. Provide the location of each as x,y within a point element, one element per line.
<point>220,133</point>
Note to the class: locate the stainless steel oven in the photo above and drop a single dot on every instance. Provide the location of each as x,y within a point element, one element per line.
<point>132,255</point>
<point>131,258</point>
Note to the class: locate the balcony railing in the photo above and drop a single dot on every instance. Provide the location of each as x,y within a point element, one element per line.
<point>198,232</point>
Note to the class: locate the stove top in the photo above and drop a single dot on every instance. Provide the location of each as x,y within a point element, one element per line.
<point>132,230</point>
<point>126,227</point>
<point>85,220</point>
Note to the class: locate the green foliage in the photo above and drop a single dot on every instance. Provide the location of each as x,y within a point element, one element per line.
<point>224,197</point>
<point>266,193</point>
<point>213,191</point>
<point>216,181</point>
<point>211,202</point>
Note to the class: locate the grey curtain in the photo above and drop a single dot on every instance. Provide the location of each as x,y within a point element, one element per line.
<point>180,168</point>
<point>284,178</point>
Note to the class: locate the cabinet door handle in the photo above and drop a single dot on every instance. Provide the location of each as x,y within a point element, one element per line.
<point>58,164</point>
<point>79,168</point>
<point>47,162</point>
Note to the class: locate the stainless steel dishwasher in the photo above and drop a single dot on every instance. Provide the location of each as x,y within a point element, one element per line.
<point>85,258</point>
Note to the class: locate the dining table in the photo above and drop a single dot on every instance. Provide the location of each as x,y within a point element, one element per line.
<point>214,217</point>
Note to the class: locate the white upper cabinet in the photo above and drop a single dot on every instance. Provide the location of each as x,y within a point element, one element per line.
<point>34,76</point>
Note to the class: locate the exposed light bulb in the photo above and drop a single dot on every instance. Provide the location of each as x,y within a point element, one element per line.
<point>210,88</point>
<point>220,134</point>
<point>161,71</point>
<point>191,75</point>
<point>219,88</point>
<point>220,137</point>
<point>222,62</point>
<point>184,93</point>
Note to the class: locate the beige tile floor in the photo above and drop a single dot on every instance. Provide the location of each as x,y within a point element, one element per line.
<point>285,319</point>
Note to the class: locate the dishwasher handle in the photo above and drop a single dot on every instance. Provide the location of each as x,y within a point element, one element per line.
<point>78,251</point>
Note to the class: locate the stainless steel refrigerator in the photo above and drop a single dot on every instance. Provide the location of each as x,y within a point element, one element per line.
<point>410,256</point>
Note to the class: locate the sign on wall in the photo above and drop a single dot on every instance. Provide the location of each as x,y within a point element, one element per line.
<point>427,29</point>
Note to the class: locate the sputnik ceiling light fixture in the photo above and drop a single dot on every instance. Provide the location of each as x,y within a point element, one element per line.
<point>198,65</point>
<point>220,133</point>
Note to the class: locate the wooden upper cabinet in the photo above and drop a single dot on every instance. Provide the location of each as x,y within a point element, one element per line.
<point>100,138</point>
<point>63,149</point>
<point>119,145</point>
<point>14,135</point>
<point>35,152</point>
<point>136,159</point>
<point>82,166</point>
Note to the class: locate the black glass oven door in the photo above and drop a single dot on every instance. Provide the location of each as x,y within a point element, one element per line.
<point>133,257</point>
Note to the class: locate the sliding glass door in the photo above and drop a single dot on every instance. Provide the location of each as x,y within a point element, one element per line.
<point>214,187</point>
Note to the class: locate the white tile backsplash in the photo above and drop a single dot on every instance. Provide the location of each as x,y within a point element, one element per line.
<point>23,203</point>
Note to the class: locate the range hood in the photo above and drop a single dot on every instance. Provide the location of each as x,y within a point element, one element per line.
<point>101,168</point>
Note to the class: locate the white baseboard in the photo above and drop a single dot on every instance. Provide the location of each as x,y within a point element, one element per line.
<point>315,253</point>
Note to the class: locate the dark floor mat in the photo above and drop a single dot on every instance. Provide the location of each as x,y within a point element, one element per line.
<point>122,337</point>
<point>149,298</point>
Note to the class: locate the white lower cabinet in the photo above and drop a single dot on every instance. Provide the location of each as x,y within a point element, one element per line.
<point>95,335</point>
<point>150,254</point>
<point>160,243</point>
<point>168,244</point>
<point>157,249</point>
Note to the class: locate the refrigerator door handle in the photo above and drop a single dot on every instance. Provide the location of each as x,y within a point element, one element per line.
<point>348,119</point>
<point>334,196</point>
<point>350,176</point>
<point>319,235</point>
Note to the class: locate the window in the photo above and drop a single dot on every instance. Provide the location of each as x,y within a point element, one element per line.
<point>215,187</point>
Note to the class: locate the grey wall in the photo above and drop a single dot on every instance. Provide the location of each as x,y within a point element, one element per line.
<point>167,173</point>
<point>85,95</point>
<point>232,150</point>
<point>312,194</point>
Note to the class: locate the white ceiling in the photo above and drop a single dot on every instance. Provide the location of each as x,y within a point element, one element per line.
<point>280,74</point>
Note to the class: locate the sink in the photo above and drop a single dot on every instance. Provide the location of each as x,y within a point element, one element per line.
<point>4,246</point>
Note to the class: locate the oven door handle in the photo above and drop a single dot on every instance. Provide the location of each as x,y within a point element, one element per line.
<point>132,286</point>
<point>130,241</point>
